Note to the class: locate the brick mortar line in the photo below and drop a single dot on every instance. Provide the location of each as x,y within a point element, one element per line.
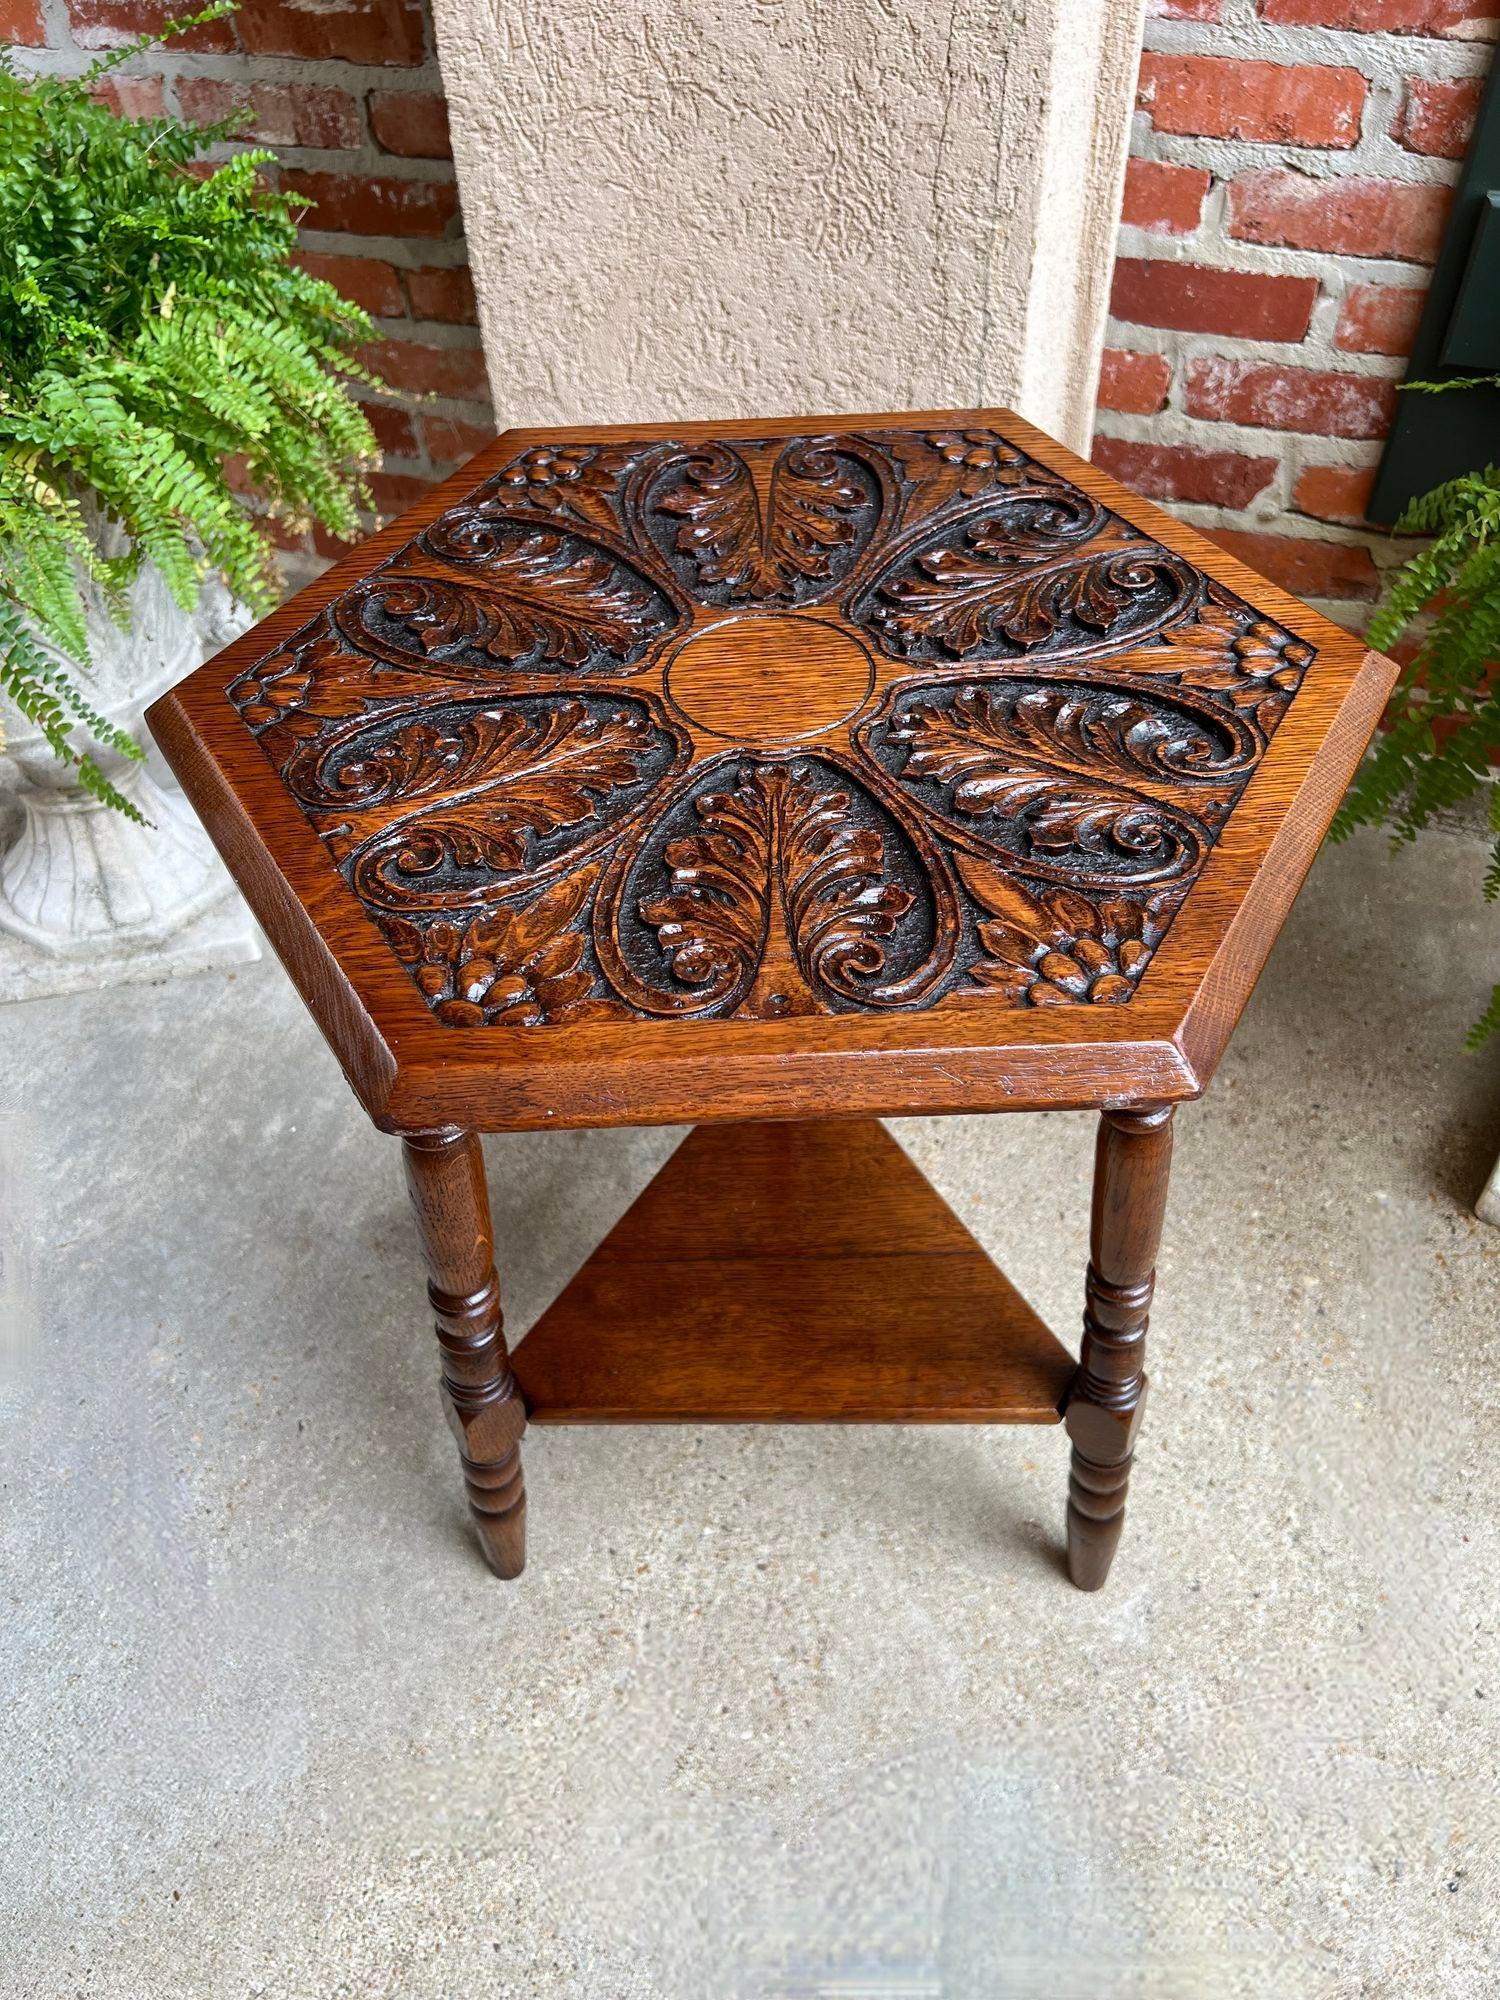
<point>406,253</point>
<point>360,162</point>
<point>1294,527</point>
<point>1354,614</point>
<point>444,333</point>
<point>1251,441</point>
<point>1244,440</point>
<point>1194,344</point>
<point>1377,155</point>
<point>1211,242</point>
<point>410,403</point>
<point>1230,160</point>
<point>1273,511</point>
<point>437,253</point>
<point>1378,52</point>
<point>1300,449</point>
<point>68,58</point>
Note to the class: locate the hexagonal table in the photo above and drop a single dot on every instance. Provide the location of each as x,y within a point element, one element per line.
<point>799,770</point>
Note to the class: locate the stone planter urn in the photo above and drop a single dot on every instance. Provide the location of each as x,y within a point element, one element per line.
<point>87,897</point>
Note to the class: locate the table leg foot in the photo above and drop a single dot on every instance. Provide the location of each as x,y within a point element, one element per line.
<point>445,1177</point>
<point>1108,1395</point>
<point>497,1500</point>
<point>1096,1517</point>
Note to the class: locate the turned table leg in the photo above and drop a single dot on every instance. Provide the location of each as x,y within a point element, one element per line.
<point>445,1176</point>
<point>1108,1394</point>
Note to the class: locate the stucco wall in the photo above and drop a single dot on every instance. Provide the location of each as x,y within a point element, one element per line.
<point>734,207</point>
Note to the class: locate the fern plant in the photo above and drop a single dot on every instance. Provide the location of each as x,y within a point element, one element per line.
<point>151,327</point>
<point>1444,720</point>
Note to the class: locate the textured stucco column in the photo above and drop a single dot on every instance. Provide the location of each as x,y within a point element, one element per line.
<point>683,208</point>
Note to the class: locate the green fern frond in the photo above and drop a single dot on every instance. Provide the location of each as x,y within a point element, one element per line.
<point>1488,1024</point>
<point>152,326</point>
<point>1453,382</point>
<point>102,65</point>
<point>1444,719</point>
<point>42,693</point>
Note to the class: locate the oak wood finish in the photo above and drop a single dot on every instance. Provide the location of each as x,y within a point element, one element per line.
<point>781,1273</point>
<point>445,1178</point>
<point>455,767</point>
<point>1104,1406</point>
<point>766,680</point>
<point>805,768</point>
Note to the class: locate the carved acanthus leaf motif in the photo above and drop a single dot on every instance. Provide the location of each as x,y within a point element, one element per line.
<point>542,596</point>
<point>840,906</point>
<point>778,850</point>
<point>763,547</point>
<point>968,598</point>
<point>541,772</point>
<point>1071,825</point>
<point>510,966</point>
<point>1093,838</point>
<point>1061,949</point>
<point>416,760</point>
<point>713,925</point>
<point>548,765</point>
<point>982,730</point>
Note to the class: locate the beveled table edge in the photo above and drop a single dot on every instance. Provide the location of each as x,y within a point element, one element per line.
<point>412,1073</point>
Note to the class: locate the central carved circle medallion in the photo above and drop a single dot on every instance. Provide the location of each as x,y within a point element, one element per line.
<point>762,679</point>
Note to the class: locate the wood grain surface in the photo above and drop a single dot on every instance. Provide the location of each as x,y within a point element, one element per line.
<point>791,1273</point>
<point>769,769</point>
<point>765,681</point>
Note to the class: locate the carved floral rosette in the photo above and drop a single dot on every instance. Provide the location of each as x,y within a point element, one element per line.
<point>1061,715</point>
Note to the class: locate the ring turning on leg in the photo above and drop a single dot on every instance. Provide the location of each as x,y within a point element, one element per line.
<point>1108,1393</point>
<point>445,1176</point>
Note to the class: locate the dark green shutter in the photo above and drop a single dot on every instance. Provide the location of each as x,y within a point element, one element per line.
<point>1438,437</point>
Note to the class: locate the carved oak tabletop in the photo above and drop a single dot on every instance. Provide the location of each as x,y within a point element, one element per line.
<point>793,769</point>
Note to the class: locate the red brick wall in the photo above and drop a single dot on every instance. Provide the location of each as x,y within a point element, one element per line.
<point>347,93</point>
<point>1286,193</point>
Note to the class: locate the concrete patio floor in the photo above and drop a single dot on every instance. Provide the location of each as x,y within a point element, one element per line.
<point>772,1713</point>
